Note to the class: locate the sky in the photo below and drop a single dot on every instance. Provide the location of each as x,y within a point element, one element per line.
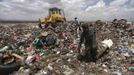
<point>84,10</point>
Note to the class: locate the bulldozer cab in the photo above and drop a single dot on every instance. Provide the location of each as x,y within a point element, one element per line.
<point>56,11</point>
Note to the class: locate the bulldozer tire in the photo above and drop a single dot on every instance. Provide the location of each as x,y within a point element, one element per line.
<point>8,68</point>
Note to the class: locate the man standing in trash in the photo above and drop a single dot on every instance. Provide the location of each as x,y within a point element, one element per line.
<point>76,22</point>
<point>78,27</point>
<point>88,37</point>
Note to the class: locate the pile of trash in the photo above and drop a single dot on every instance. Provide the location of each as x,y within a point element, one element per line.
<point>27,50</point>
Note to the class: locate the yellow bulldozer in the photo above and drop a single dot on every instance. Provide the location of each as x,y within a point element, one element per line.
<point>55,15</point>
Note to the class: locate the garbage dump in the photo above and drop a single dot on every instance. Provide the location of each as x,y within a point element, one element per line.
<point>25,49</point>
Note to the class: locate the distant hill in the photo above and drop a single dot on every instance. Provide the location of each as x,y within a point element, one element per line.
<point>3,21</point>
